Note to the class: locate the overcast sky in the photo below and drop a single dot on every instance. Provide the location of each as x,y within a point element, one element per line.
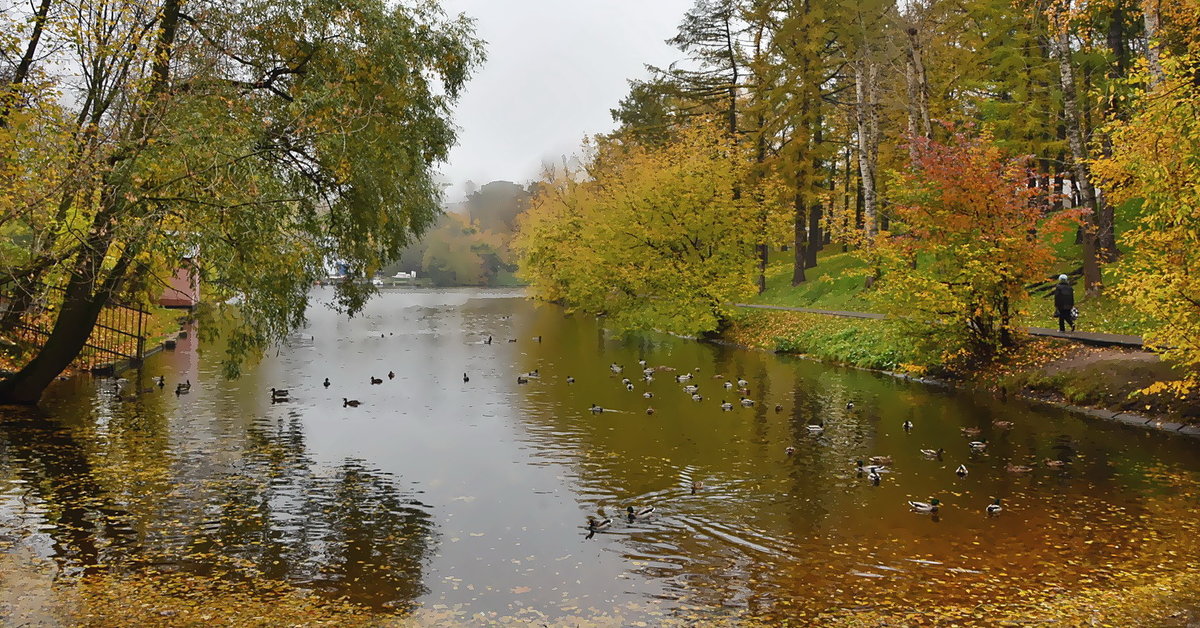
<point>554,68</point>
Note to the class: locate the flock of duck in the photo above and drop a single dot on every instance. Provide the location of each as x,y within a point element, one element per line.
<point>873,468</point>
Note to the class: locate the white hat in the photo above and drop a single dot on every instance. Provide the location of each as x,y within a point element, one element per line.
<point>1062,277</point>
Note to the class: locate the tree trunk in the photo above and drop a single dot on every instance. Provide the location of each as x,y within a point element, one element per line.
<point>1079,161</point>
<point>866,74</point>
<point>1150,18</point>
<point>919,124</point>
<point>814,236</point>
<point>8,100</point>
<point>800,250</point>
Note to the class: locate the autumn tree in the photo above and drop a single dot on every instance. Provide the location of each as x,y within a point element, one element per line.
<point>966,211</point>
<point>650,236</point>
<point>271,136</point>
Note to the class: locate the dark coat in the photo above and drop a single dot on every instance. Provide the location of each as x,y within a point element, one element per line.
<point>1064,297</point>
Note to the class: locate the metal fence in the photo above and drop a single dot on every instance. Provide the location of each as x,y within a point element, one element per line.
<point>119,333</point>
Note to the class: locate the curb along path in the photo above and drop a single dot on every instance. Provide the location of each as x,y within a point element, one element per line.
<point>1084,337</point>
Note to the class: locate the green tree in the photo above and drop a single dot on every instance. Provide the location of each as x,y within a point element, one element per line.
<point>271,136</point>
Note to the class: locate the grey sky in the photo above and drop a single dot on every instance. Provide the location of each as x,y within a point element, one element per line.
<point>554,69</point>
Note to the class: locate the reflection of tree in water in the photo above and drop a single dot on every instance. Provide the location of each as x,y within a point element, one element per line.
<point>350,531</point>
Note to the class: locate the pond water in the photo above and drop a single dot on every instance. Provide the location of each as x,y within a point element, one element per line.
<point>474,494</point>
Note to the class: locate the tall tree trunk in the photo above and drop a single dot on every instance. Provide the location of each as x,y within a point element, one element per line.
<point>1150,19</point>
<point>1079,160</point>
<point>919,124</point>
<point>21,73</point>
<point>798,263</point>
<point>866,77</point>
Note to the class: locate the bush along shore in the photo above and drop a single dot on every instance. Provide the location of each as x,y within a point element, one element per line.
<point>1110,383</point>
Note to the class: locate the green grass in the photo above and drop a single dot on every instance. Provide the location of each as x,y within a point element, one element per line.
<point>836,283</point>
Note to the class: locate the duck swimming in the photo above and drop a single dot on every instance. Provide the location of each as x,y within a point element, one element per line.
<point>1017,468</point>
<point>689,389</point>
<point>977,445</point>
<point>595,409</point>
<point>907,425</point>
<point>880,460</point>
<point>1054,464</point>
<point>376,380</point>
<point>933,453</point>
<point>867,468</point>
<point>961,471</point>
<point>647,394</point>
<point>747,402</point>
<point>325,383</point>
<point>522,380</point>
<point>930,506</point>
<point>570,380</point>
<point>817,429</point>
<point>874,476</point>
<point>640,513</point>
<point>697,397</point>
<point>353,403</point>
<point>994,508</point>
<point>183,388</point>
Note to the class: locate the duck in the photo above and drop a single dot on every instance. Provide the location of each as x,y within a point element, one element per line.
<point>689,389</point>
<point>629,387</point>
<point>647,371</point>
<point>465,378</point>
<point>880,460</point>
<point>640,513</point>
<point>522,380</point>
<point>595,409</point>
<point>970,431</point>
<point>726,406</point>
<point>849,405</point>
<point>1017,468</point>
<point>789,450</point>
<point>570,380</point>
<point>183,388</point>
<point>747,402</point>
<point>867,468</point>
<point>874,476</point>
<point>353,403</point>
<point>642,363</point>
<point>977,445</point>
<point>599,524</point>
<point>614,367</point>
<point>488,341</point>
<point>728,385</point>
<point>1003,425</point>
<point>647,394</point>
<point>930,506</point>
<point>648,378</point>
<point>512,339</point>
<point>375,380</point>
<point>391,375</point>
<point>779,407</point>
<point>1054,464</point>
<point>683,378</point>
<point>933,453</point>
<point>994,508</point>
<point>816,429</point>
<point>161,381</point>
<point>534,373</point>
<point>907,425</point>
<point>743,383</point>
<point>537,338</point>
<point>625,381</point>
<point>279,393</point>
<point>697,397</point>
<point>697,485</point>
<point>961,471</point>
<point>649,410</point>
<point>325,383</point>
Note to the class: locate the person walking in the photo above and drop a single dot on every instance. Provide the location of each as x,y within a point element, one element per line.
<point>1064,303</point>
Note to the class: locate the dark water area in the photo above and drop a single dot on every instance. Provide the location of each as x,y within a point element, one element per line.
<point>474,495</point>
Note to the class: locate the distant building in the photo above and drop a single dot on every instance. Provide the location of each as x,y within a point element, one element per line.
<point>183,288</point>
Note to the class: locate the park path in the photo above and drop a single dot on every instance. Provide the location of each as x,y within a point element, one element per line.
<point>1084,337</point>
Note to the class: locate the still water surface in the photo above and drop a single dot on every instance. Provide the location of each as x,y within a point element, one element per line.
<point>474,494</point>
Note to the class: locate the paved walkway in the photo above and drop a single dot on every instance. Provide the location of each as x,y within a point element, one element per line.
<point>1085,337</point>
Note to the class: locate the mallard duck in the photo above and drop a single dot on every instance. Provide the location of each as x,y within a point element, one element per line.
<point>743,383</point>
<point>614,367</point>
<point>183,388</point>
<point>488,341</point>
<point>728,385</point>
<point>816,429</point>
<point>353,403</point>
<point>689,389</point>
<point>629,387</point>
<point>961,471</point>
<point>648,378</point>
<point>874,476</point>
<point>599,524</point>
<point>570,380</point>
<point>1003,425</point>
<point>640,513</point>
<point>978,445</point>
<point>537,338</point>
<point>325,383</point>
<point>697,397</point>
<point>789,450</point>
<point>697,485</point>
<point>849,405</point>
<point>1017,468</point>
<point>994,507</point>
<point>534,373</point>
<point>1056,464</point>
<point>595,409</point>
<point>725,405</point>
<point>465,378</point>
<point>930,506</point>
<point>279,393</point>
<point>867,468</point>
<point>683,378</point>
<point>625,381</point>
<point>647,372</point>
<point>649,410</point>
<point>970,431</point>
<point>161,381</point>
<point>907,425</point>
<point>747,402</point>
<point>933,453</point>
<point>647,395</point>
<point>880,460</point>
<point>779,407</point>
<point>375,380</point>
<point>642,363</point>
<point>522,380</point>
